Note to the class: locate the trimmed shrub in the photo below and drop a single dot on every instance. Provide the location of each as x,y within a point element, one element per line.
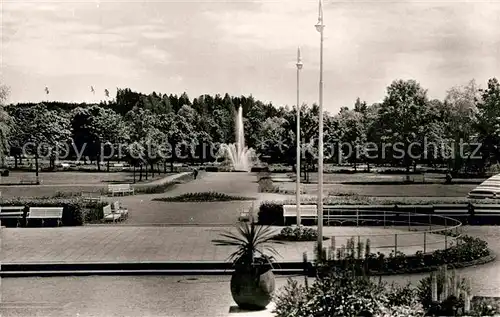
<point>202,197</point>
<point>271,213</point>
<point>298,233</point>
<point>259,169</point>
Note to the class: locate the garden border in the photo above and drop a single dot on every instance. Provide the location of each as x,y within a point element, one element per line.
<point>432,268</point>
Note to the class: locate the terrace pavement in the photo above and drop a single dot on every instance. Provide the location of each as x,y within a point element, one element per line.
<point>130,244</point>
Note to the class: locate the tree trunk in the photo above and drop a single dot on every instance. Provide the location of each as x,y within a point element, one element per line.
<point>140,172</point>
<point>15,161</point>
<point>108,165</point>
<point>36,165</point>
<point>146,169</point>
<point>152,170</point>
<point>134,172</point>
<point>164,167</point>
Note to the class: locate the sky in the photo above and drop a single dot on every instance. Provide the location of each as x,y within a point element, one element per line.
<point>244,47</point>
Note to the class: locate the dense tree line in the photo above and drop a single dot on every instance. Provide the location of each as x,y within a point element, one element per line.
<point>193,129</point>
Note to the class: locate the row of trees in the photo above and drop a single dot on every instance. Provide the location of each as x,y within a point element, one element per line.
<point>145,124</point>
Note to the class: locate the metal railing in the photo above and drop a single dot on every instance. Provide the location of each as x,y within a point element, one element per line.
<point>414,231</point>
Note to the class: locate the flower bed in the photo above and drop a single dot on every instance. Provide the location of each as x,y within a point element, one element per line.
<point>202,197</point>
<point>298,233</point>
<point>467,251</point>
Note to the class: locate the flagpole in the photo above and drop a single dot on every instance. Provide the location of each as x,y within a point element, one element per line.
<point>320,27</point>
<point>297,169</point>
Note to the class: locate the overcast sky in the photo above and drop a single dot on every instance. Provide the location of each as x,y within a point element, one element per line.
<point>245,47</point>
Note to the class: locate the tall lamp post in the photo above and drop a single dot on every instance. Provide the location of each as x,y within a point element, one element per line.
<point>320,27</point>
<point>297,169</point>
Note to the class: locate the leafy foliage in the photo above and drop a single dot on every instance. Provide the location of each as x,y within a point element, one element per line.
<point>466,115</point>
<point>252,242</point>
<point>298,233</point>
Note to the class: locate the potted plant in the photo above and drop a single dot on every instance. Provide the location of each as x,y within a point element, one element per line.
<point>252,282</point>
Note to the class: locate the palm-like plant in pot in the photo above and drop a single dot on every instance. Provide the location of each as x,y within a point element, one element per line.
<point>252,283</point>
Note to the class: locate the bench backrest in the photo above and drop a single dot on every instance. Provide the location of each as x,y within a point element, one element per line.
<point>45,212</point>
<point>118,187</point>
<point>106,210</point>
<point>116,205</point>
<point>11,208</point>
<point>305,210</point>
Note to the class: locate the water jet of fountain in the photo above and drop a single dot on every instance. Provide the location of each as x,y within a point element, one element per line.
<point>238,153</point>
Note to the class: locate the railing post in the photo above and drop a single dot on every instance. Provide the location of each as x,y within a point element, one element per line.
<point>409,220</point>
<point>395,243</point>
<point>430,222</point>
<point>446,241</point>
<point>425,242</point>
<point>357,217</point>
<point>384,218</point>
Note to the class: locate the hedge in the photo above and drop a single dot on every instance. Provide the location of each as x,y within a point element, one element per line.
<point>76,211</point>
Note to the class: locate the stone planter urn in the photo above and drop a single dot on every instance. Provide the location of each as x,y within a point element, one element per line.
<point>253,288</point>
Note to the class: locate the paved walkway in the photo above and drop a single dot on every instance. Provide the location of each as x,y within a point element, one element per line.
<point>143,210</point>
<point>175,243</point>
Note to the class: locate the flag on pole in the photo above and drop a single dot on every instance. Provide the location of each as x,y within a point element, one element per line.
<point>92,89</point>
<point>46,90</point>
<point>106,93</point>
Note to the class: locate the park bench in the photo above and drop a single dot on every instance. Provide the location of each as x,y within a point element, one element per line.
<point>451,209</point>
<point>119,209</point>
<point>120,188</point>
<point>28,180</point>
<point>12,212</point>
<point>306,212</point>
<point>45,213</point>
<point>109,214</point>
<point>91,196</point>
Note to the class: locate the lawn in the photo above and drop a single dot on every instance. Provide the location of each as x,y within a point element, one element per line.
<point>80,178</point>
<point>341,178</point>
<point>377,190</point>
<point>66,182</point>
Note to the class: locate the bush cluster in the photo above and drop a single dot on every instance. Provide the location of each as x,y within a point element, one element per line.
<point>202,197</point>
<point>342,293</point>
<point>349,291</point>
<point>298,233</point>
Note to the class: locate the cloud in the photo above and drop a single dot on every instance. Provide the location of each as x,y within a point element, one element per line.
<point>155,54</point>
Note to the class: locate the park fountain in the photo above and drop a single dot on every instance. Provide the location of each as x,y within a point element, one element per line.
<point>238,154</point>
